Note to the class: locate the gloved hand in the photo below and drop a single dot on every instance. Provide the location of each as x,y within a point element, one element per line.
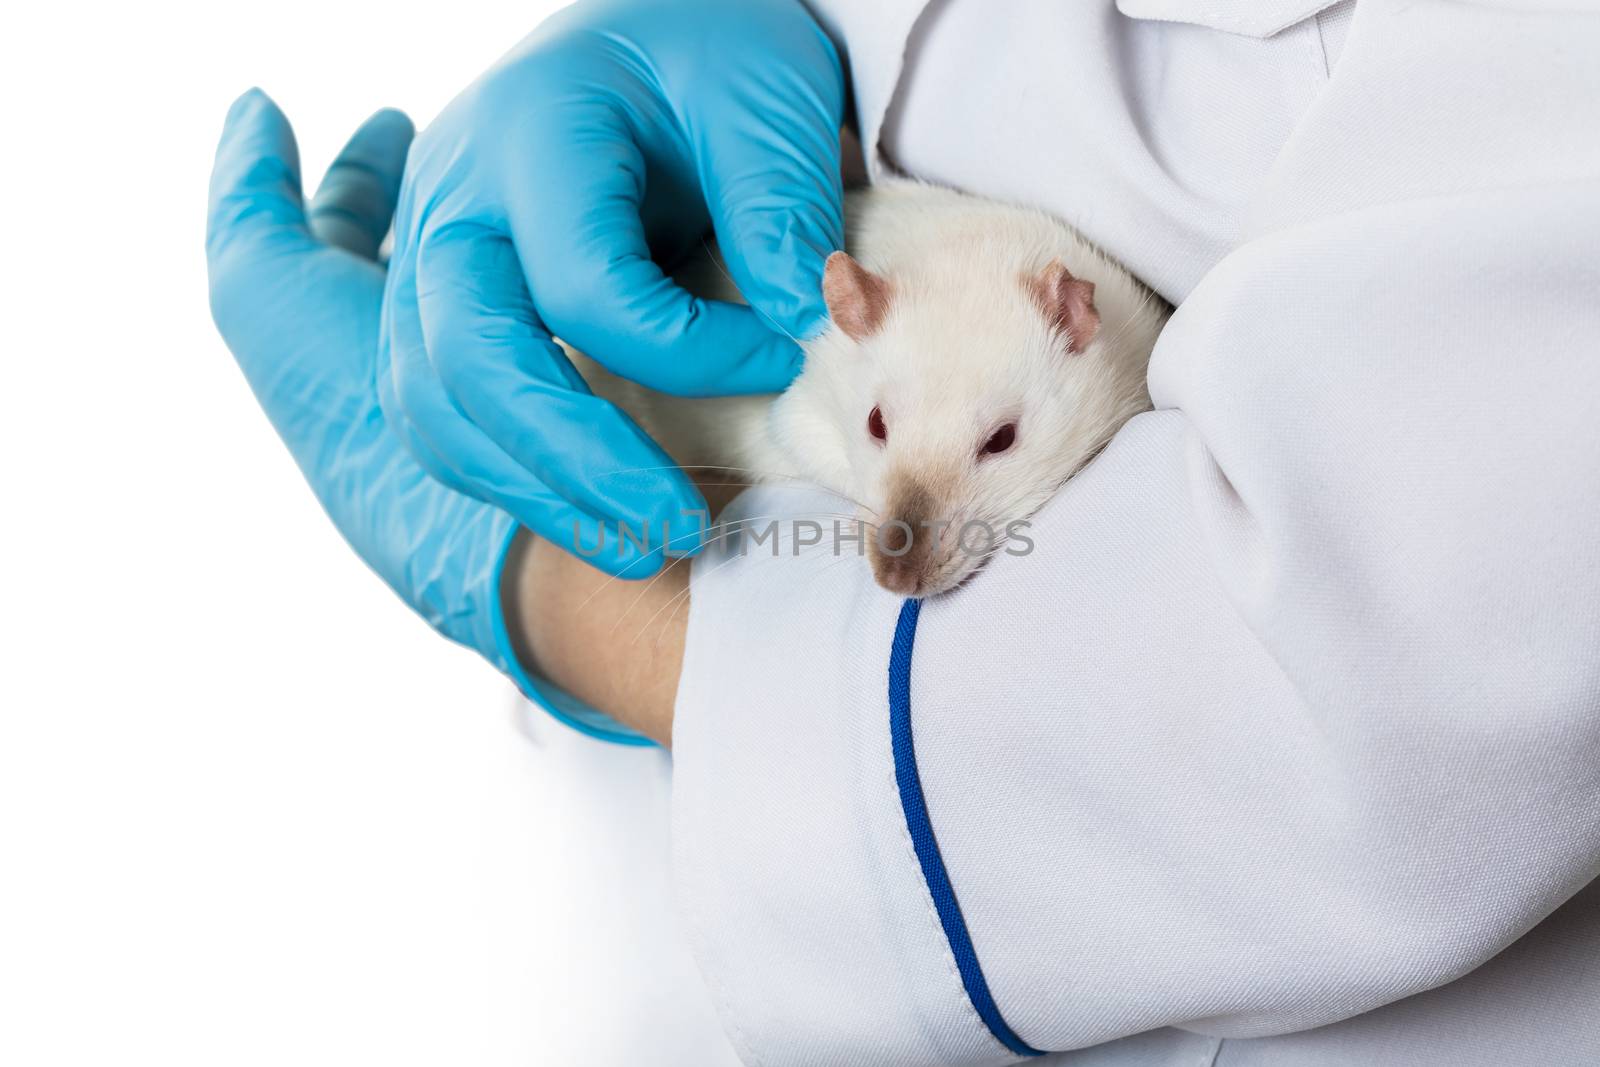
<point>298,297</point>
<point>619,131</point>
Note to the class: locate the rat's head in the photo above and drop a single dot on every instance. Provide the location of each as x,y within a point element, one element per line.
<point>951,402</point>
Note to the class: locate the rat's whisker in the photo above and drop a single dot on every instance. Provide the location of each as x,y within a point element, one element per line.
<point>745,520</point>
<point>1134,317</point>
<point>718,528</point>
<point>697,467</point>
<point>837,558</point>
<point>674,600</point>
<point>651,584</point>
<point>755,471</point>
<point>831,558</point>
<point>775,476</point>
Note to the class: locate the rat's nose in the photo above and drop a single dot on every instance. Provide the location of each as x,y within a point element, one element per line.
<point>897,575</point>
<point>902,549</point>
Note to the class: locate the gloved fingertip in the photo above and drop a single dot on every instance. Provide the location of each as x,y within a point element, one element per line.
<point>391,125</point>
<point>252,100</point>
<point>255,180</point>
<point>256,127</point>
<point>355,202</point>
<point>797,358</point>
<point>781,275</point>
<point>253,95</point>
<point>668,518</point>
<point>774,365</point>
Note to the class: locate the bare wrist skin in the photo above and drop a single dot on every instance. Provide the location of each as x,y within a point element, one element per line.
<point>616,645</point>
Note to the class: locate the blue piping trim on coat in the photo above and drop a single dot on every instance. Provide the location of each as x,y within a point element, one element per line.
<point>915,807</point>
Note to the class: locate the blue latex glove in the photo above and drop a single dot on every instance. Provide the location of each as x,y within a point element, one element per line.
<point>619,131</point>
<point>298,294</point>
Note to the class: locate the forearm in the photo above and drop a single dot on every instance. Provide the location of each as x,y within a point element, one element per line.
<point>617,645</point>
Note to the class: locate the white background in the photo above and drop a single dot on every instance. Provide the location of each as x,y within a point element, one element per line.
<point>252,811</point>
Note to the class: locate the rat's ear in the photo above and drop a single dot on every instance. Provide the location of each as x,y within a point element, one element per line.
<point>857,299</point>
<point>1067,303</point>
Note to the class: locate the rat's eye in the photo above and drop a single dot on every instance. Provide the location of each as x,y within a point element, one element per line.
<point>875,425</point>
<point>1000,440</point>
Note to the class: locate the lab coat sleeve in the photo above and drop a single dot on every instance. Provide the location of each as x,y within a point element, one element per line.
<point>1294,708</point>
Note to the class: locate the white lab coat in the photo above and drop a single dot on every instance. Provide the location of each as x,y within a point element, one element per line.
<point>1287,734</point>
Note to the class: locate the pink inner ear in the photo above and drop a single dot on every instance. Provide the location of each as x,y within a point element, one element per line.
<point>1067,303</point>
<point>857,299</point>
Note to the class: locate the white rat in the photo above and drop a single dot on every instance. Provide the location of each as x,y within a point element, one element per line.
<point>978,355</point>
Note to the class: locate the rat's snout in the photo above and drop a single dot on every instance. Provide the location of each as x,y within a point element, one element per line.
<point>903,550</point>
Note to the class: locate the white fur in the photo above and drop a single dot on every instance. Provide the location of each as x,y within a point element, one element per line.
<point>963,350</point>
